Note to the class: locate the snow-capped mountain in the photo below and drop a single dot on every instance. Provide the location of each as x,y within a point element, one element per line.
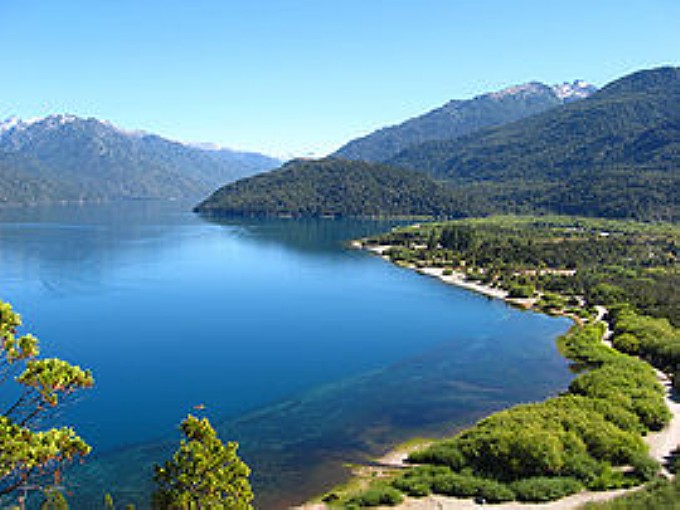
<point>69,158</point>
<point>461,117</point>
<point>533,88</point>
<point>15,123</point>
<point>8,124</point>
<point>578,89</point>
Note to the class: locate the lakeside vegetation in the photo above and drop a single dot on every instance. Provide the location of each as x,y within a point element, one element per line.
<point>560,260</point>
<point>591,436</point>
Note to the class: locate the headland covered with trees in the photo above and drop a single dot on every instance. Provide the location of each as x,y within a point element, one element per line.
<point>592,436</point>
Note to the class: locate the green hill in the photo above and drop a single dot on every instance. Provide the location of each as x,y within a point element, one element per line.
<point>65,159</point>
<point>334,187</point>
<point>616,153</point>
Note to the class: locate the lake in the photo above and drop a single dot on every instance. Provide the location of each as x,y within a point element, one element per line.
<point>307,353</point>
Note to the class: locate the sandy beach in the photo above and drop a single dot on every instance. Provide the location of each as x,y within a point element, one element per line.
<point>662,443</point>
<point>444,503</point>
<point>456,278</point>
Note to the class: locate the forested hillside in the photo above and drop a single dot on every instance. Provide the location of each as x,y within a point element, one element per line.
<point>616,153</point>
<point>334,187</point>
<point>459,117</point>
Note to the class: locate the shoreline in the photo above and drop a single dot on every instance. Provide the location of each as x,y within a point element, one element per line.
<point>456,278</point>
<point>661,443</point>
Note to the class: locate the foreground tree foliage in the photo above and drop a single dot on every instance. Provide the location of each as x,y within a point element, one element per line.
<point>203,473</point>
<point>29,454</point>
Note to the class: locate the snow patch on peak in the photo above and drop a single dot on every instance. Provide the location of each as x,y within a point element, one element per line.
<point>205,146</point>
<point>59,119</point>
<point>136,133</point>
<point>578,89</point>
<point>532,87</point>
<point>9,124</point>
<point>15,123</point>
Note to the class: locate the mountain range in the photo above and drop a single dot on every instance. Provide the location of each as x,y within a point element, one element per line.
<point>64,158</point>
<point>615,153</point>
<point>460,117</point>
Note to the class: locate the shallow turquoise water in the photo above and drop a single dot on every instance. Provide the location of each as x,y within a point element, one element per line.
<point>307,353</point>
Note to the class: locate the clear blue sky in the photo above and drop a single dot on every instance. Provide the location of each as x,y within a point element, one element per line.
<point>303,76</point>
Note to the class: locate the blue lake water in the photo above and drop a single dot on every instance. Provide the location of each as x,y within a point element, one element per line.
<point>306,352</point>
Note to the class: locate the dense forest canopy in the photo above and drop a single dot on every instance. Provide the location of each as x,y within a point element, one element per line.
<point>334,187</point>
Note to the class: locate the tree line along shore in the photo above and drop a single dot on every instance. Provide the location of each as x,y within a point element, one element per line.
<point>592,436</point>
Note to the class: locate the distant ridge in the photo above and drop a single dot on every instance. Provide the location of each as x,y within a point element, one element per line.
<point>64,158</point>
<point>613,154</point>
<point>460,117</point>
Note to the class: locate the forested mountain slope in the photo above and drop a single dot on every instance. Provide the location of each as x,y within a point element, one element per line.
<point>616,153</point>
<point>459,117</point>
<point>334,187</point>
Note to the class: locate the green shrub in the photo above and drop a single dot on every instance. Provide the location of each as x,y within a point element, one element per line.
<point>550,300</point>
<point>645,468</point>
<point>627,343</point>
<point>453,484</point>
<point>441,453</point>
<point>540,489</point>
<point>376,495</point>
<point>521,291</point>
<point>418,481</point>
<point>608,479</point>
<point>583,467</point>
<point>494,492</point>
<point>465,485</point>
<point>414,487</point>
